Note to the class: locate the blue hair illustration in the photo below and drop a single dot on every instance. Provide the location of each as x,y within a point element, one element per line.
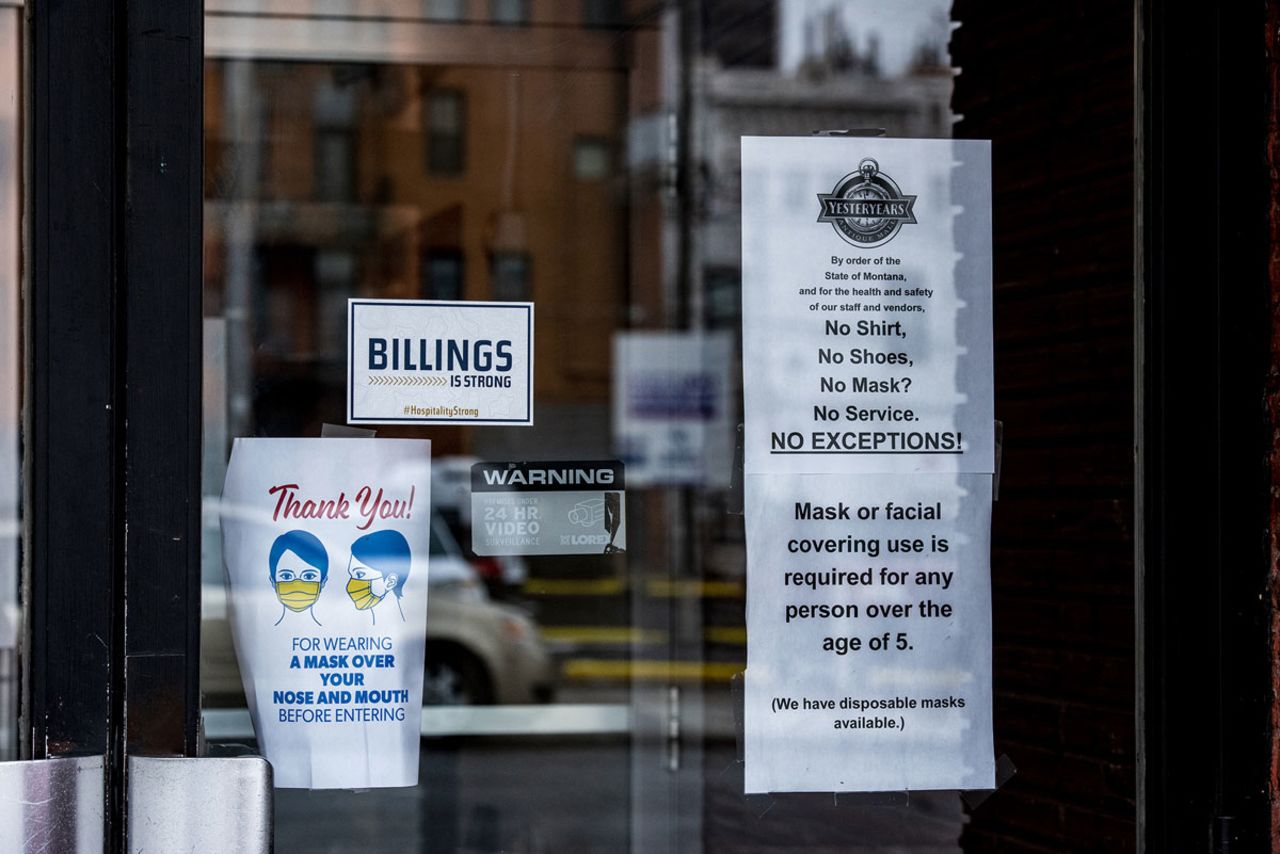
<point>304,545</point>
<point>387,552</point>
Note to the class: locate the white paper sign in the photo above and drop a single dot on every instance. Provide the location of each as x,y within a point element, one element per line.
<point>869,640</point>
<point>671,394</point>
<point>869,446</point>
<point>326,543</point>
<point>433,362</point>
<point>876,356</point>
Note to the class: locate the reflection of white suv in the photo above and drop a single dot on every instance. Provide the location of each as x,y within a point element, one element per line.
<point>451,486</point>
<point>477,651</point>
<point>451,497</point>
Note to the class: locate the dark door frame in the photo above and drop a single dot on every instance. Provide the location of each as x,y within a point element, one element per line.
<point>112,414</point>
<point>1204,439</point>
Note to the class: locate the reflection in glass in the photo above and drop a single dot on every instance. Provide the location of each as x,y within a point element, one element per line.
<point>445,10</point>
<point>536,153</point>
<point>510,276</point>
<point>446,131</point>
<point>510,12</point>
<point>591,159</point>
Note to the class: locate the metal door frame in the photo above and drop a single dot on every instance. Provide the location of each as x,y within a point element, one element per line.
<point>1205,438</point>
<point>112,411</point>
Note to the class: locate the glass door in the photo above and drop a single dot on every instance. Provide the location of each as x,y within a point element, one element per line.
<point>454,153</point>
<point>581,156</point>
<point>195,201</point>
<point>206,191</point>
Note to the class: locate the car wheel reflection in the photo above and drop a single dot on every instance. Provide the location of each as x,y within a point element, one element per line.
<point>453,677</point>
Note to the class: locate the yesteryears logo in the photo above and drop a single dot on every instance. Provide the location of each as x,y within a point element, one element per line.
<point>866,208</point>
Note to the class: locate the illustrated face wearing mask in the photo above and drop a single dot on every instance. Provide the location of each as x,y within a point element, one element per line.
<point>379,566</point>
<point>297,584</point>
<point>367,586</point>
<point>299,569</point>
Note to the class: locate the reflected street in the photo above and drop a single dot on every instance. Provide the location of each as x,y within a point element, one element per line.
<point>476,796</point>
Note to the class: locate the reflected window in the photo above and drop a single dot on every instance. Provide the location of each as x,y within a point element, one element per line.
<point>334,111</point>
<point>724,297</point>
<point>335,165</point>
<point>442,275</point>
<point>601,13</point>
<point>446,132</point>
<point>336,274</point>
<point>509,12</point>
<point>591,158</point>
<point>510,272</point>
<point>445,10</point>
<point>243,156</point>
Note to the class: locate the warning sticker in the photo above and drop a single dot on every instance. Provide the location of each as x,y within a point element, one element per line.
<point>548,508</point>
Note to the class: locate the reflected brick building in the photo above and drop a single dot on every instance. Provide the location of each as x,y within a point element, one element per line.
<point>495,173</point>
<point>518,151</point>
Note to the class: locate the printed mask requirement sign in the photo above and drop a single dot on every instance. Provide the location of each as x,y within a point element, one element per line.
<point>326,543</point>
<point>868,460</point>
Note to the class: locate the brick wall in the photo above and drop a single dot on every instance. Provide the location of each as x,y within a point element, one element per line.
<point>1052,87</point>
<point>1272,43</point>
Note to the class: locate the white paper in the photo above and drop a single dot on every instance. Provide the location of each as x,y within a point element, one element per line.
<point>930,658</point>
<point>434,362</point>
<point>869,446</point>
<point>671,393</point>
<point>333,676</point>
<point>800,347</point>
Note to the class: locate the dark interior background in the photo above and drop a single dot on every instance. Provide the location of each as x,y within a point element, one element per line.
<point>1053,87</point>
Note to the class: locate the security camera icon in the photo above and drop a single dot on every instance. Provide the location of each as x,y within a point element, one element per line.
<point>588,513</point>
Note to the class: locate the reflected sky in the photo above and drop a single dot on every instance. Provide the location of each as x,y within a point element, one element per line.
<point>900,27</point>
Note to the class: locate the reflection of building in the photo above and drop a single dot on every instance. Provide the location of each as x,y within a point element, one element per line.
<point>740,32</point>
<point>838,87</point>
<point>739,102</point>
<point>739,88</point>
<point>475,179</point>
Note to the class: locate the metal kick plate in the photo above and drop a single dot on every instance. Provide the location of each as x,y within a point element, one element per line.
<point>207,805</point>
<point>52,805</point>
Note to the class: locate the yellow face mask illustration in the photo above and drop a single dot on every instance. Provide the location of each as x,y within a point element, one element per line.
<point>298,595</point>
<point>361,592</point>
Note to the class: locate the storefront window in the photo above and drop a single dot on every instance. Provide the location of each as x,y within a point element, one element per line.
<point>572,702</point>
<point>642,426</point>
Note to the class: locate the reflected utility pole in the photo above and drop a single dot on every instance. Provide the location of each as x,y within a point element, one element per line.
<point>688,313</point>
<point>239,228</point>
<point>685,702</point>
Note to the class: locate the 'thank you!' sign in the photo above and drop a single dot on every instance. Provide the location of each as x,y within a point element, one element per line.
<point>327,550</point>
<point>432,362</point>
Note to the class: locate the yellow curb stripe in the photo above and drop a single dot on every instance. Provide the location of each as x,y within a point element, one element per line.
<point>726,634</point>
<point>602,634</point>
<point>658,588</point>
<point>651,671</point>
<point>574,586</point>
<point>665,588</point>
